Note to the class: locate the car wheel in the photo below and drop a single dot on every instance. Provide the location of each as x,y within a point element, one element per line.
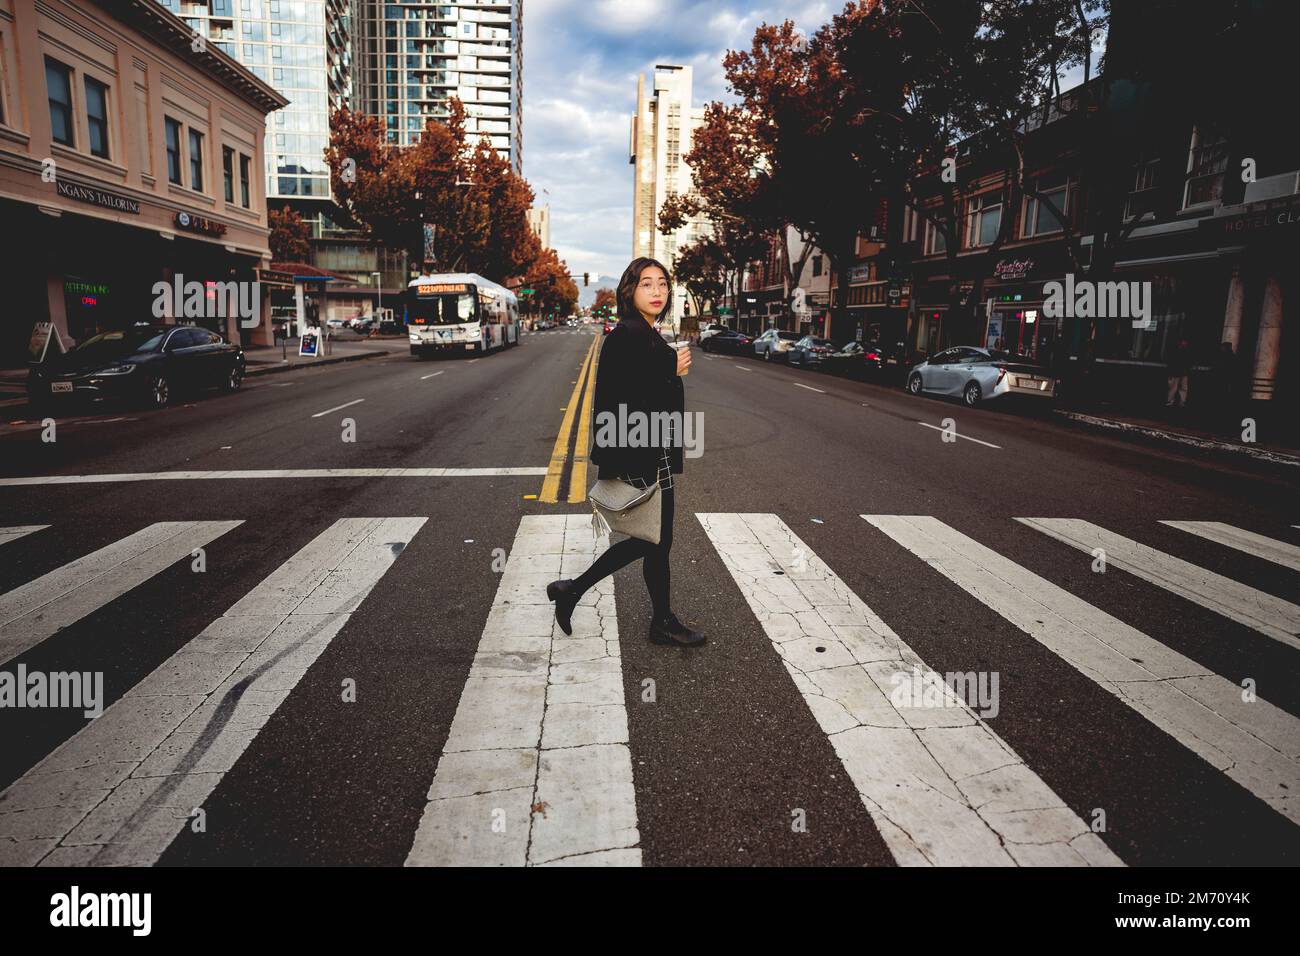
<point>159,392</point>
<point>914,384</point>
<point>234,379</point>
<point>972,394</point>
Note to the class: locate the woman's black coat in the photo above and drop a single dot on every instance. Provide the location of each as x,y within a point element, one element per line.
<point>639,369</point>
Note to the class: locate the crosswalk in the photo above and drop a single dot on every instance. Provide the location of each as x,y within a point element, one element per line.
<point>538,768</point>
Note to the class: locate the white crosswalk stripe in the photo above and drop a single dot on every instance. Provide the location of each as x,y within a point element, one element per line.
<point>536,769</point>
<point>1256,744</point>
<point>1270,549</point>
<point>941,786</point>
<point>20,531</point>
<point>31,613</point>
<point>118,791</point>
<point>1263,612</point>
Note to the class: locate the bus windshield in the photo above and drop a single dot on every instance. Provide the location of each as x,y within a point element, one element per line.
<point>445,309</point>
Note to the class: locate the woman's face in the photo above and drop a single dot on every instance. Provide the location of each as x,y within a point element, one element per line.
<point>651,292</point>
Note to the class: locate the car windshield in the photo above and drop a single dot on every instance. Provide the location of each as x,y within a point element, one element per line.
<point>448,309</point>
<point>789,336</point>
<point>123,342</point>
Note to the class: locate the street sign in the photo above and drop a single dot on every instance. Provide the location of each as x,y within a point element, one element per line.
<point>527,291</point>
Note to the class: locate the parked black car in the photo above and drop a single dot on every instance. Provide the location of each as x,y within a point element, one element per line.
<point>809,351</point>
<point>729,341</point>
<point>857,361</point>
<point>148,364</point>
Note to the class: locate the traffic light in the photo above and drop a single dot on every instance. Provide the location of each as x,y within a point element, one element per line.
<point>586,278</point>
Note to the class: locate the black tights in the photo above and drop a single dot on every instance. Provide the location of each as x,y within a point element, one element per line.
<point>654,568</point>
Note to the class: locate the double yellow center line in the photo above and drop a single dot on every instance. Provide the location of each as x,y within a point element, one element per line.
<point>568,466</point>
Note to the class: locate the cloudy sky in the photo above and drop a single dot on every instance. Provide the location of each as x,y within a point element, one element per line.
<point>581,60</point>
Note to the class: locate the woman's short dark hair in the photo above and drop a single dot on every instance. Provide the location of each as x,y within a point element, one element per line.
<point>627,287</point>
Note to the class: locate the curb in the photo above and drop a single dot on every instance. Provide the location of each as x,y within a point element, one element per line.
<point>1177,438</point>
<point>318,363</point>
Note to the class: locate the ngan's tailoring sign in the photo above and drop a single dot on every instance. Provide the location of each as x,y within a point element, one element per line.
<point>97,197</point>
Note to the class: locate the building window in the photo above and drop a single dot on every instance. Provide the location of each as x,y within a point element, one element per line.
<point>817,265</point>
<point>228,172</point>
<point>1039,219</point>
<point>1205,168</point>
<point>97,116</point>
<point>58,82</point>
<point>196,161</point>
<point>173,150</point>
<point>243,180</point>
<point>1142,197</point>
<point>984,219</point>
<point>935,241</point>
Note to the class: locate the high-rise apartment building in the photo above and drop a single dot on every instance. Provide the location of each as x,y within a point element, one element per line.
<point>302,48</point>
<point>413,57</point>
<point>660,136</point>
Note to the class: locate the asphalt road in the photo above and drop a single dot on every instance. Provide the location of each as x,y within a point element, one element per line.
<point>737,758</point>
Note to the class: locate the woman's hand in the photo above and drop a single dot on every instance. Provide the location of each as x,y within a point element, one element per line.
<point>683,360</point>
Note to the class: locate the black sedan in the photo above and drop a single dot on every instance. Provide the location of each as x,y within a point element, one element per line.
<point>728,341</point>
<point>856,360</point>
<point>148,364</point>
<point>809,351</point>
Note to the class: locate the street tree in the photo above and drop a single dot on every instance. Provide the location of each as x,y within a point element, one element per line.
<point>289,236</point>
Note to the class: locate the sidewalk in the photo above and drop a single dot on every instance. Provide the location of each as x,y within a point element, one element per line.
<point>1176,429</point>
<point>265,360</point>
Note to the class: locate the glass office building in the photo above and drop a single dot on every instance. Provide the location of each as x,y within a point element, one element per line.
<point>412,57</point>
<point>303,48</point>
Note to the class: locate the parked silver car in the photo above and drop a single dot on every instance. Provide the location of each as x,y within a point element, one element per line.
<point>980,374</point>
<point>774,344</point>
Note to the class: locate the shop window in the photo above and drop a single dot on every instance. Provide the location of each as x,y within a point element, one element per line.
<point>196,161</point>
<point>984,219</point>
<point>58,82</point>
<point>243,180</point>
<point>97,116</point>
<point>1039,218</point>
<point>173,150</point>
<point>1206,163</point>
<point>228,172</point>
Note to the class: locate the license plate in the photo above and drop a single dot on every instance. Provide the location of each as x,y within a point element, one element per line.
<point>60,386</point>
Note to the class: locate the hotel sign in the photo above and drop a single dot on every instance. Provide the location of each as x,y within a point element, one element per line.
<point>97,197</point>
<point>1281,216</point>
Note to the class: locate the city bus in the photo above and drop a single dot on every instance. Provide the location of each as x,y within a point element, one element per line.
<point>460,312</point>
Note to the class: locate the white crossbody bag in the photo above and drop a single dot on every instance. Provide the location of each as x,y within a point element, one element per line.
<point>621,506</point>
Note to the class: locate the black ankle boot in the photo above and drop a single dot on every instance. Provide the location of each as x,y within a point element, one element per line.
<point>566,599</point>
<point>669,630</point>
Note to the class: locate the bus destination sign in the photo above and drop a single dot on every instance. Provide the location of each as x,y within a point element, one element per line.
<point>438,288</point>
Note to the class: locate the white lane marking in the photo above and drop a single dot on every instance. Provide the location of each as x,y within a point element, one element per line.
<point>960,435</point>
<point>742,368</point>
<point>1269,615</point>
<point>282,384</point>
<point>277,473</point>
<point>31,613</point>
<point>1256,744</point>
<point>355,401</point>
<point>471,361</point>
<point>809,387</point>
<point>19,531</point>
<point>1270,549</point>
<point>431,375</point>
<point>941,786</point>
<point>541,723</point>
<point>120,790</point>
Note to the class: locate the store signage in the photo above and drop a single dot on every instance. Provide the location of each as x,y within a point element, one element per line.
<point>196,223</point>
<point>1276,217</point>
<point>1013,268</point>
<point>97,197</point>
<point>273,277</point>
<point>438,288</point>
<point>860,273</point>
